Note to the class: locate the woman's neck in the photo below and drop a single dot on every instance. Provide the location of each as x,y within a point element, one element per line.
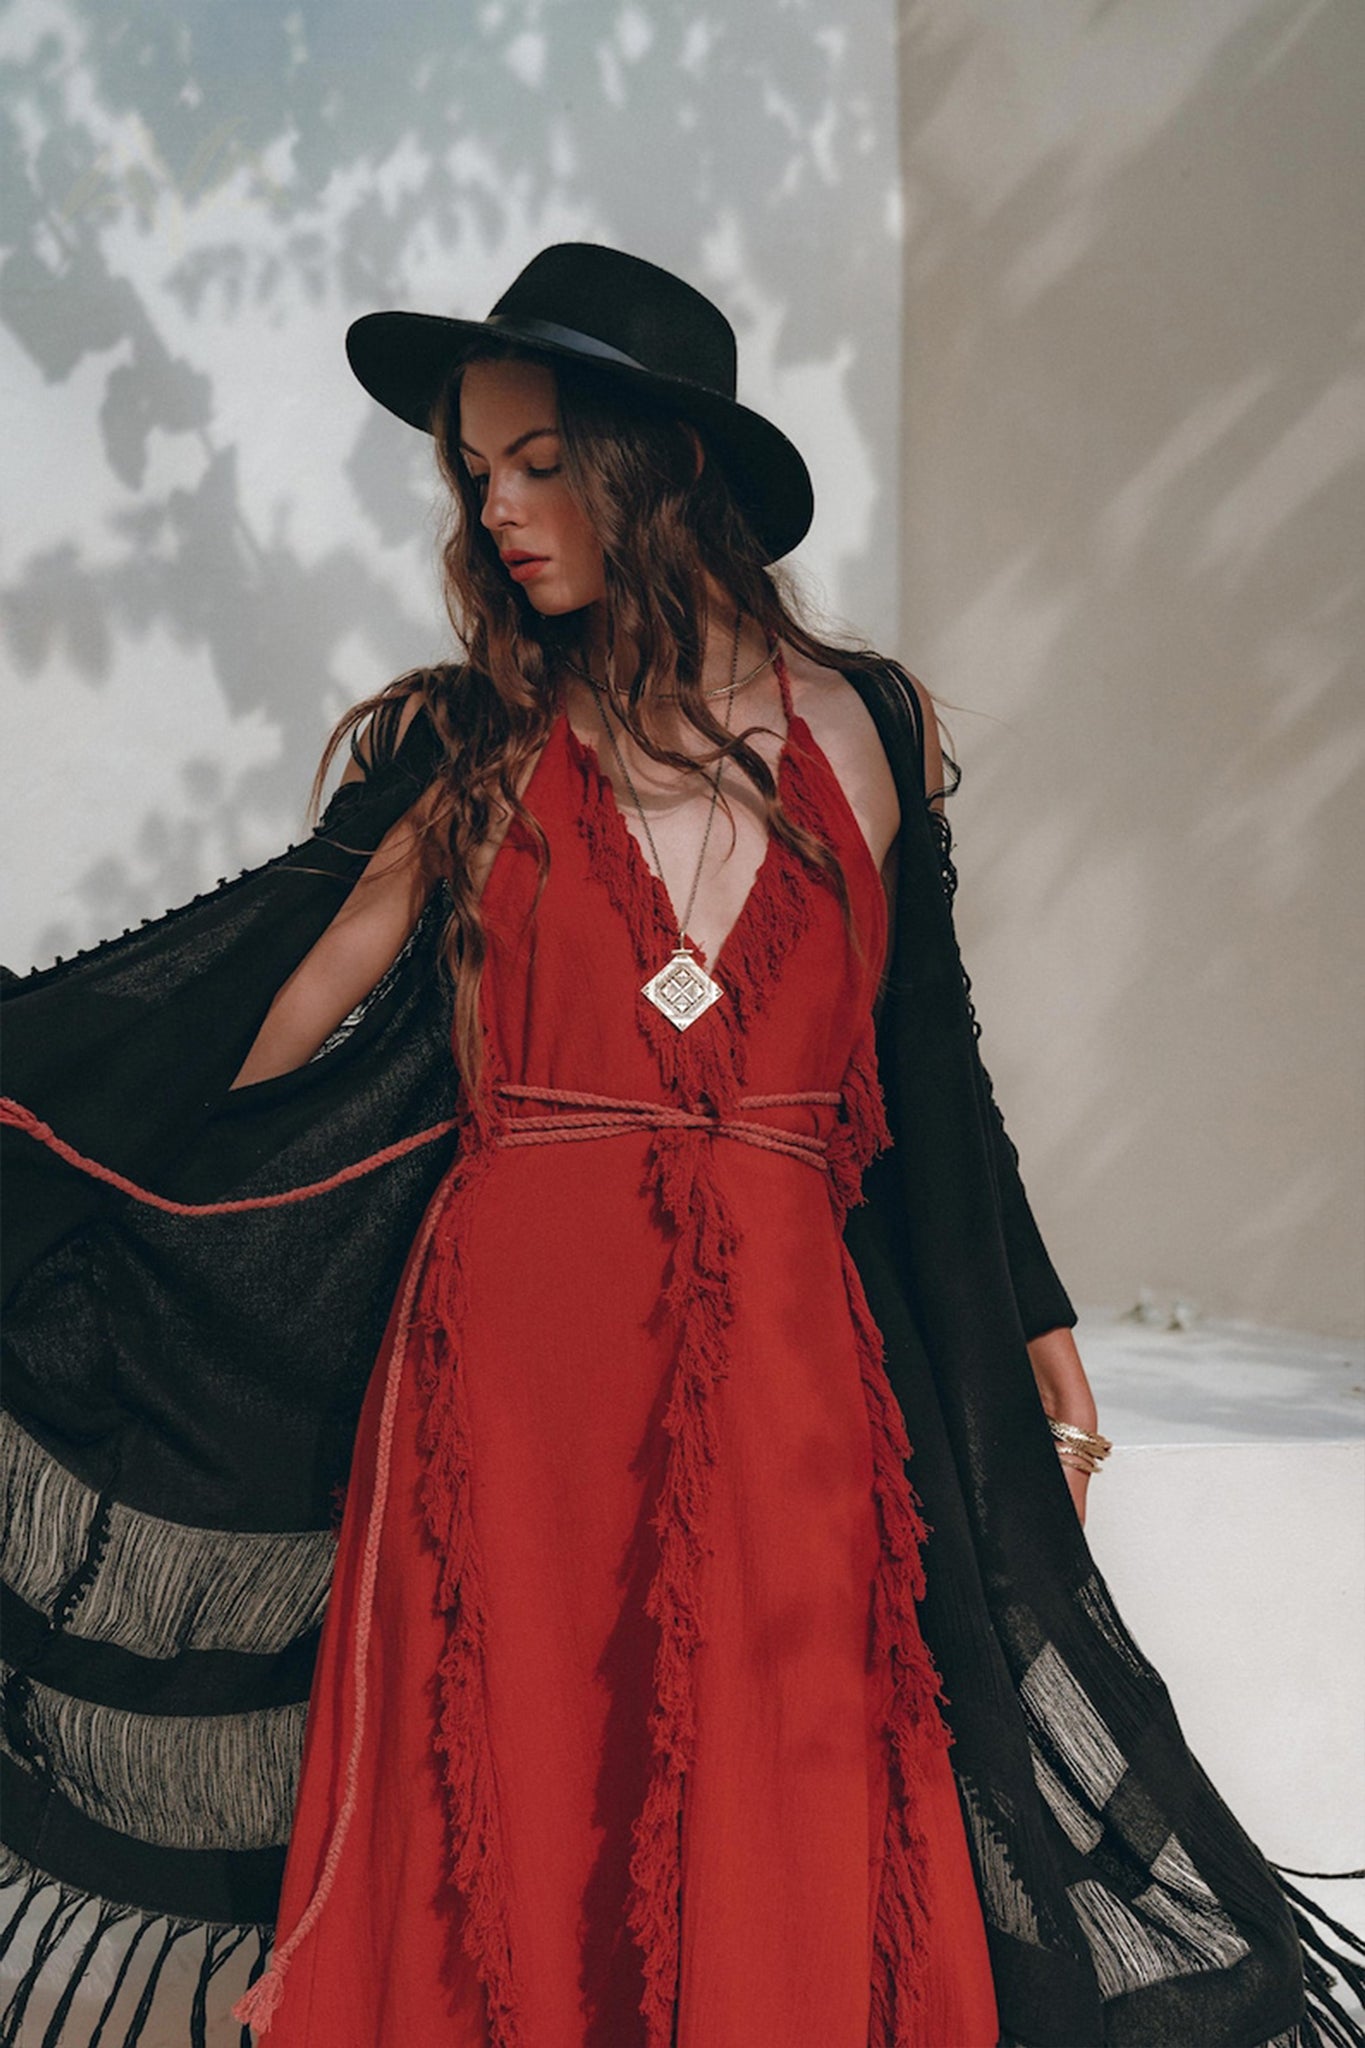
<point>725,661</point>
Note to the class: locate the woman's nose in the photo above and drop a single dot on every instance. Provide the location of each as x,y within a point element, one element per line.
<point>498,509</point>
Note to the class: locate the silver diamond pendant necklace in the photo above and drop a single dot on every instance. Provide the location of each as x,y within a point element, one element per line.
<point>682,989</point>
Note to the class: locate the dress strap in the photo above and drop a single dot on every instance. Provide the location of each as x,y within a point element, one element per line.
<point>784,681</point>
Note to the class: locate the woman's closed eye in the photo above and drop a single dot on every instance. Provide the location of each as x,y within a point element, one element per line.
<point>479,477</point>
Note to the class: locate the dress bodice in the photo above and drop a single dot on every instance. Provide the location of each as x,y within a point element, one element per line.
<point>567,960</point>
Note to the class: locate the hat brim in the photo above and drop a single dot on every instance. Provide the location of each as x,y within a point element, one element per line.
<point>404,359</point>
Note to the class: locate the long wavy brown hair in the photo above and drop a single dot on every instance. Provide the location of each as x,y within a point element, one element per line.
<point>666,525</point>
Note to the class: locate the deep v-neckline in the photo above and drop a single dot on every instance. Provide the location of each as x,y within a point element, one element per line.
<point>797,734</point>
<point>665,915</point>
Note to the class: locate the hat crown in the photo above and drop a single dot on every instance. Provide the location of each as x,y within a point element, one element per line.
<point>630,305</point>
<point>663,340</point>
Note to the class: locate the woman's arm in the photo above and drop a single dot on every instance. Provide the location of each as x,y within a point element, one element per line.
<point>356,950</point>
<point>1063,1386</point>
<point>1066,1396</point>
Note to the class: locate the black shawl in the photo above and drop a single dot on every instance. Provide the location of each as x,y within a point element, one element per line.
<point>181,1395</point>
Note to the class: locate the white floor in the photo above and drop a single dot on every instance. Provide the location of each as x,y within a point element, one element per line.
<point>1230,1524</point>
<point>1221,1383</point>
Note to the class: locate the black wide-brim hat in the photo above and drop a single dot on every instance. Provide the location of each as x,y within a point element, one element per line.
<point>629,318</point>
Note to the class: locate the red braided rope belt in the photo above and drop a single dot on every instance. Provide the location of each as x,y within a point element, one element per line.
<point>583,1115</point>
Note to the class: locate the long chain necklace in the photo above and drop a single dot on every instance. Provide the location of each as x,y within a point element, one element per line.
<point>682,989</point>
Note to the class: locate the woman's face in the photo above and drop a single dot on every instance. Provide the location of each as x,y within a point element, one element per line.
<point>509,441</point>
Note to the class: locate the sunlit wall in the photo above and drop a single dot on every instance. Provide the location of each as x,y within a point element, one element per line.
<point>1134,519</point>
<point>214,541</point>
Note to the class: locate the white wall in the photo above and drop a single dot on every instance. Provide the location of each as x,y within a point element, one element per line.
<point>1134,518</point>
<point>215,541</point>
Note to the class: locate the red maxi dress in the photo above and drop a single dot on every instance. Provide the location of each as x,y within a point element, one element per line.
<point>623,1734</point>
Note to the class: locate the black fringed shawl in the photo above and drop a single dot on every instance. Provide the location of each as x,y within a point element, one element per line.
<point>182,1393</point>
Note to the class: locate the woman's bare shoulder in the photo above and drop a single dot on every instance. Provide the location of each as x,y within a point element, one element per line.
<point>826,695</point>
<point>845,732</point>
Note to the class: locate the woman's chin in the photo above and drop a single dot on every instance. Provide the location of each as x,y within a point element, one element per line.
<point>557,604</point>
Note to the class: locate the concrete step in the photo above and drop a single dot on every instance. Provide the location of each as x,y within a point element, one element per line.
<point>1230,1525</point>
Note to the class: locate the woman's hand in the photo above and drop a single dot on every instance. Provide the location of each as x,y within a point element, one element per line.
<point>1078,1482</point>
<point>1066,1397</point>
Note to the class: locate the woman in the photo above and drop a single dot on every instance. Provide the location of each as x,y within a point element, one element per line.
<point>622,1725</point>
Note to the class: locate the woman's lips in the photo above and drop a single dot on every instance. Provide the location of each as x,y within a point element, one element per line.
<point>524,567</point>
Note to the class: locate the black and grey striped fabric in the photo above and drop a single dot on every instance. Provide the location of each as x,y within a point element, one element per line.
<point>180,1402</point>
<point>159,1587</point>
<point>215,1783</point>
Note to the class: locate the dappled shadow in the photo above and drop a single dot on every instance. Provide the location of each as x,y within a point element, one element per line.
<point>1134,396</point>
<point>204,196</point>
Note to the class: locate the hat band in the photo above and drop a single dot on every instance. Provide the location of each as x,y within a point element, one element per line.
<point>564,337</point>
<point>589,345</point>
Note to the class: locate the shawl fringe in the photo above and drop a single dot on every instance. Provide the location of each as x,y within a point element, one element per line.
<point>1329,1950</point>
<point>45,1911</point>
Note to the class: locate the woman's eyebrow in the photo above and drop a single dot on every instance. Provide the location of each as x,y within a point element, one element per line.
<point>531,434</point>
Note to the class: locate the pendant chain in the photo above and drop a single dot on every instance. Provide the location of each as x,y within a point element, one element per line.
<point>599,693</point>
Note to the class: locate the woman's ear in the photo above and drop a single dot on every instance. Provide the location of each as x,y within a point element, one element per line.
<point>698,448</point>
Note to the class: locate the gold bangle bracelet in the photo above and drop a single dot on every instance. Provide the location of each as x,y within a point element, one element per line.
<point>1082,1439</point>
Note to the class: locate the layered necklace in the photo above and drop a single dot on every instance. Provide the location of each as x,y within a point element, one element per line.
<point>681,990</point>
